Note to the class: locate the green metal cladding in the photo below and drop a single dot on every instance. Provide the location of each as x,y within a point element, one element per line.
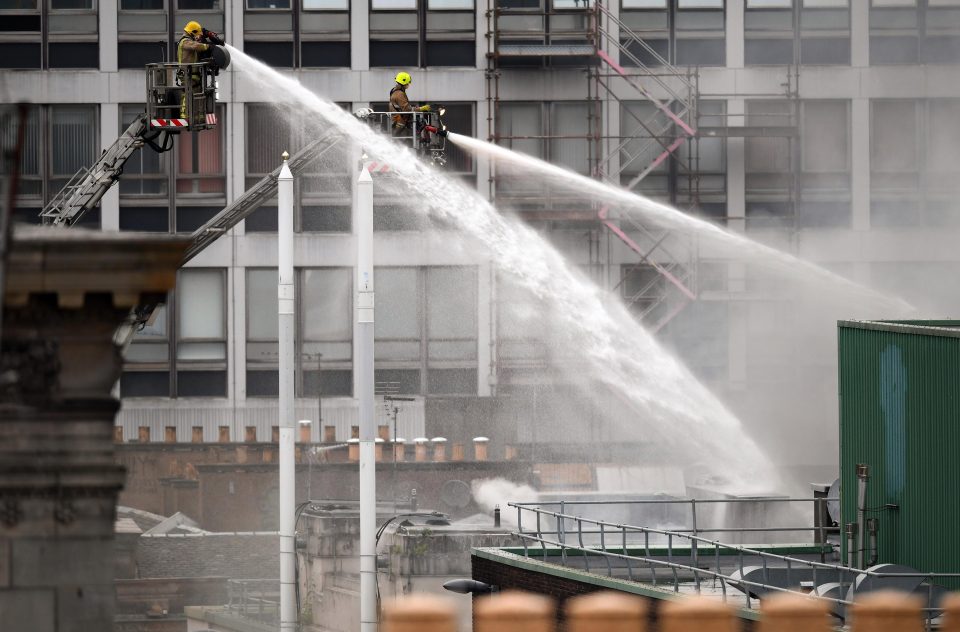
<point>900,415</point>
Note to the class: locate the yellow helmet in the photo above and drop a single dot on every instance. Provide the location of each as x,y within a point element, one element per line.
<point>193,28</point>
<point>403,78</point>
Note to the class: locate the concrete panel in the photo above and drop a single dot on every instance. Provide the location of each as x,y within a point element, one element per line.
<point>73,23</point>
<point>444,21</point>
<point>324,23</point>
<point>393,22</point>
<point>212,21</point>
<point>253,22</point>
<point>141,23</point>
<point>46,562</point>
<point>32,610</point>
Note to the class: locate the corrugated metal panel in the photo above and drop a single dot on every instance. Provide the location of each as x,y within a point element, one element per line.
<point>900,414</point>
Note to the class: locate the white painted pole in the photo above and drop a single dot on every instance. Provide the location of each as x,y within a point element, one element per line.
<point>288,561</point>
<point>364,366</point>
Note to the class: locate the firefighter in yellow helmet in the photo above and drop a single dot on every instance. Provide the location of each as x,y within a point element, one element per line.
<point>402,124</point>
<point>188,52</point>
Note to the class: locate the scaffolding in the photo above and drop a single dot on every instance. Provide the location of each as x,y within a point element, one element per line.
<point>621,70</point>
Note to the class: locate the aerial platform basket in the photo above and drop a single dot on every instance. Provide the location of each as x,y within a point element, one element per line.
<point>182,97</point>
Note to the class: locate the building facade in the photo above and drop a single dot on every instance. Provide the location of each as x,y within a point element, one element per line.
<point>862,179</point>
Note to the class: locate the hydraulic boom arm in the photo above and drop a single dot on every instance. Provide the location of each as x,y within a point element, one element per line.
<point>87,186</point>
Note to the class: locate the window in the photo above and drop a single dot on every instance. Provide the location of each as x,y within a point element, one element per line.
<point>412,34</point>
<point>195,366</point>
<point>385,5</point>
<point>556,132</point>
<point>321,193</point>
<point>190,178</point>
<point>324,332</point>
<point>685,32</point>
<point>911,32</point>
<point>141,5</point>
<point>309,34</point>
<point>913,176</point>
<point>58,141</point>
<point>201,316</point>
<point>825,163</point>
<point>770,179</point>
<point>436,303</point>
<point>810,32</point>
<point>67,38</point>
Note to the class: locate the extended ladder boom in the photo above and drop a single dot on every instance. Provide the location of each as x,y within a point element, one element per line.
<point>87,186</point>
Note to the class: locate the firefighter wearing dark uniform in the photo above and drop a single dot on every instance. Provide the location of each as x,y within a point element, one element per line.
<point>402,123</point>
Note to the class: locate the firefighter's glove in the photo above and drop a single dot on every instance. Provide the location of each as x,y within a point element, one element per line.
<point>423,108</point>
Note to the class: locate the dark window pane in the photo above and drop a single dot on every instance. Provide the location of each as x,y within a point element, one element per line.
<point>202,5</point>
<point>769,215</point>
<point>26,215</point>
<point>139,54</point>
<point>759,52</point>
<point>74,55</point>
<point>825,50</point>
<point>397,217</point>
<point>71,4</point>
<point>393,54</point>
<point>941,50</point>
<point>263,383</point>
<point>325,54</point>
<point>452,53</point>
<point>190,218</point>
<point>147,219</point>
<point>643,55</point>
<point>397,381</point>
<point>20,23</point>
<point>452,381</point>
<point>19,55</point>
<point>325,219</point>
<point>262,220</point>
<point>889,213</point>
<point>201,383</point>
<point>90,219</point>
<point>702,52</point>
<point>518,4</point>
<point>332,383</point>
<point>894,50</point>
<point>141,5</point>
<point>268,4</point>
<point>279,54</point>
<point>145,384</point>
<point>820,214</point>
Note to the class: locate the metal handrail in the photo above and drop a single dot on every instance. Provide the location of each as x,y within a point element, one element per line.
<point>699,549</point>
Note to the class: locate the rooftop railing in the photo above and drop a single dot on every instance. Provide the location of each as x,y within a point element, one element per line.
<point>686,562</point>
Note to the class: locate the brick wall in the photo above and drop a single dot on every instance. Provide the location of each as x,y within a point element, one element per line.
<point>231,555</point>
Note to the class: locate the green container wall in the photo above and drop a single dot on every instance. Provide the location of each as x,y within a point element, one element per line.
<point>900,414</point>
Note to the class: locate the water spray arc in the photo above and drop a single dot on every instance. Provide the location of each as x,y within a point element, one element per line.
<point>669,407</point>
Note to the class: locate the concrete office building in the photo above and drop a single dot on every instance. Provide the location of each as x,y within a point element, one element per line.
<point>849,159</point>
